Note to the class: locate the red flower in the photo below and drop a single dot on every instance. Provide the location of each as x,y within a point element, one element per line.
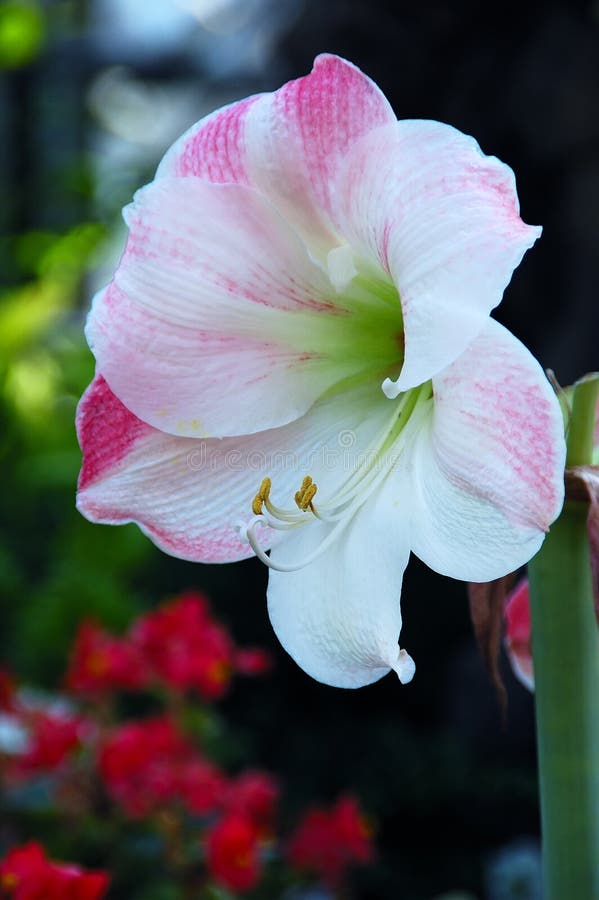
<point>254,795</point>
<point>201,785</point>
<point>232,854</point>
<point>252,661</point>
<point>139,764</point>
<point>27,874</point>
<point>328,841</point>
<point>51,738</point>
<point>353,830</point>
<point>7,691</point>
<point>185,648</point>
<point>149,764</point>
<point>100,662</point>
<point>21,870</point>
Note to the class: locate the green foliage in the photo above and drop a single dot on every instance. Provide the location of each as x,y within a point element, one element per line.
<point>53,564</point>
<point>22,32</point>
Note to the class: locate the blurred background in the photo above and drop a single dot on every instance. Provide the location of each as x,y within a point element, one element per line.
<point>92,93</point>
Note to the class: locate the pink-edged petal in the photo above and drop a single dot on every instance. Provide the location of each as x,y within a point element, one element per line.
<point>517,614</point>
<point>484,478</point>
<point>519,633</point>
<point>287,144</point>
<point>339,617</point>
<point>214,148</point>
<point>420,199</point>
<point>188,495</point>
<point>522,666</point>
<point>214,308</point>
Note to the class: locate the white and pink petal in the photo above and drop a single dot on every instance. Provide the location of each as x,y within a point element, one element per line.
<point>420,199</point>
<point>483,480</point>
<point>209,326</point>
<point>189,495</point>
<point>287,144</point>
<point>518,634</point>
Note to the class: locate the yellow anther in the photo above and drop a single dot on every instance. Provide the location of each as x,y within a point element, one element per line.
<point>309,496</point>
<point>305,495</point>
<point>261,497</point>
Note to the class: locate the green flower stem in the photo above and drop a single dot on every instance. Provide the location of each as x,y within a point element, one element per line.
<point>582,421</point>
<point>566,668</point>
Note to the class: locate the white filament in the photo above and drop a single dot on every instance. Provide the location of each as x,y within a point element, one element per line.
<point>353,492</point>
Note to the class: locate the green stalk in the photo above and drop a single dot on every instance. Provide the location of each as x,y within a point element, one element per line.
<point>566,667</point>
<point>581,429</point>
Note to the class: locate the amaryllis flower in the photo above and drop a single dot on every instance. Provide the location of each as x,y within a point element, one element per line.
<point>295,354</point>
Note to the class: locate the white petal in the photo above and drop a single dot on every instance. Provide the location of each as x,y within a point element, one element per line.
<point>339,617</point>
<point>211,326</point>
<point>189,494</point>
<point>421,200</point>
<point>483,480</point>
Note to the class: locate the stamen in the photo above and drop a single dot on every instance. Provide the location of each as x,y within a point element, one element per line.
<point>305,495</point>
<point>355,490</point>
<point>308,496</point>
<point>261,497</point>
<point>247,532</point>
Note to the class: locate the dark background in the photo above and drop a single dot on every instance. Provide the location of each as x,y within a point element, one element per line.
<point>451,790</point>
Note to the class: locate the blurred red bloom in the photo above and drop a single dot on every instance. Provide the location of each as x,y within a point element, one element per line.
<point>51,737</point>
<point>7,691</point>
<point>326,842</point>
<point>202,785</point>
<point>147,764</point>
<point>254,795</point>
<point>232,852</point>
<point>100,662</point>
<point>27,874</point>
<point>518,634</point>
<point>139,764</point>
<point>252,661</point>
<point>185,648</point>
